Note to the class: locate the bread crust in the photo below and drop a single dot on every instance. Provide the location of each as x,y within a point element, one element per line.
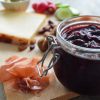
<point>20,42</point>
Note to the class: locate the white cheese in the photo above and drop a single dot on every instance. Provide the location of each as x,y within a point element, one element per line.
<point>22,25</point>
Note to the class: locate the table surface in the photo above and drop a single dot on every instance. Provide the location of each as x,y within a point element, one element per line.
<point>86,7</point>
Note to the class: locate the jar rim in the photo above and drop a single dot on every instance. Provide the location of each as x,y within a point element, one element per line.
<point>62,40</point>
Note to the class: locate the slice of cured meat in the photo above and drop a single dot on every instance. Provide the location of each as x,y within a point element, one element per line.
<point>24,74</point>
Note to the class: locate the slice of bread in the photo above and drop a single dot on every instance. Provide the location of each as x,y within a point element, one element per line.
<point>19,27</point>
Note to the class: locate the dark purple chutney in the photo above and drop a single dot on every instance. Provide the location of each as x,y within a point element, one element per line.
<point>86,35</point>
<point>79,74</point>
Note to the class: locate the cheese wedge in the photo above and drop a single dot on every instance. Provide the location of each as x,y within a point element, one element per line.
<point>19,27</point>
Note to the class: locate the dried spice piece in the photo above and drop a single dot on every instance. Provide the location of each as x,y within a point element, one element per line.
<point>32,47</point>
<point>49,29</point>
<point>53,32</point>
<point>50,22</point>
<point>43,44</point>
<point>22,47</point>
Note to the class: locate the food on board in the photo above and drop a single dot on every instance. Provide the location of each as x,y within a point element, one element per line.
<point>24,75</point>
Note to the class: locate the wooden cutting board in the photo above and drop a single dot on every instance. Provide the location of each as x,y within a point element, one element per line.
<point>54,90</point>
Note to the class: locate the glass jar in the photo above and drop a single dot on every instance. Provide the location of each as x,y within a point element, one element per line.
<point>77,68</point>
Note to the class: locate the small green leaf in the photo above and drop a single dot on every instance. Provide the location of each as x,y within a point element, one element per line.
<point>66,12</point>
<point>74,11</point>
<point>14,0</point>
<point>63,13</point>
<point>62,5</point>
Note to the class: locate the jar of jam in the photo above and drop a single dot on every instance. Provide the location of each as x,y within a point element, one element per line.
<point>76,54</point>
